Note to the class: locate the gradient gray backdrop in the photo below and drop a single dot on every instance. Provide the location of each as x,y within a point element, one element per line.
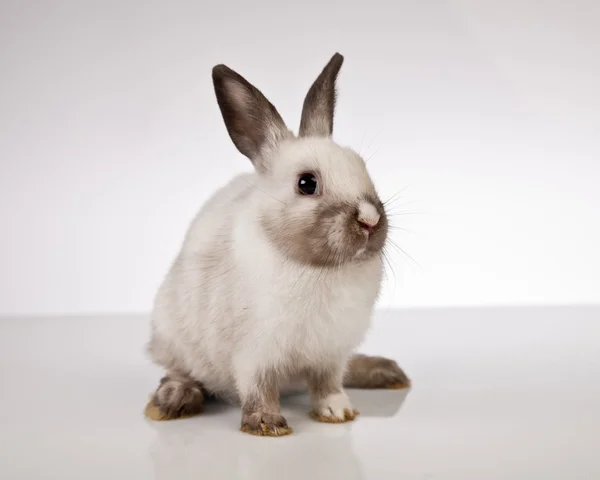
<point>487,111</point>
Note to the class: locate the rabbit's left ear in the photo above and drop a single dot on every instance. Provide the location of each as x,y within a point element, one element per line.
<point>319,104</point>
<point>253,123</point>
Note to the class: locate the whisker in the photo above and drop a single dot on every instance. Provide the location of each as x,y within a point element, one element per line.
<point>387,202</point>
<point>306,269</point>
<point>371,156</point>
<point>371,142</point>
<point>315,284</point>
<point>384,255</point>
<point>402,251</point>
<point>300,277</point>
<point>395,205</point>
<point>399,214</point>
<point>323,266</point>
<point>262,191</point>
<point>362,139</point>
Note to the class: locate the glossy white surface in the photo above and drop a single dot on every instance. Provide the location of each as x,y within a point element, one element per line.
<point>498,394</point>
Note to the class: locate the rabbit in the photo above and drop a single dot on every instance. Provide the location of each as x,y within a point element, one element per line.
<point>276,281</point>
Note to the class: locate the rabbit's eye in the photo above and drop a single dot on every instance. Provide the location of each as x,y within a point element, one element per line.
<point>307,184</point>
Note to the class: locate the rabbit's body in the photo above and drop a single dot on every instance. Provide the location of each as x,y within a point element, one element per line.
<point>278,274</point>
<point>232,305</point>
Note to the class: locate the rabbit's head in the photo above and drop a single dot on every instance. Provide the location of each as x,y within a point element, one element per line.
<point>319,206</point>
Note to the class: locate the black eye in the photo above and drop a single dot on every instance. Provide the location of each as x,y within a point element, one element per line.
<point>307,184</point>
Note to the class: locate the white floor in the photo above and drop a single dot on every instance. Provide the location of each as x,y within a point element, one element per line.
<point>498,394</point>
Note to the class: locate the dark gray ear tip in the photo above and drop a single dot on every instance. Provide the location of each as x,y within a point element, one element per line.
<point>336,61</point>
<point>218,70</point>
<point>221,71</point>
<point>337,58</point>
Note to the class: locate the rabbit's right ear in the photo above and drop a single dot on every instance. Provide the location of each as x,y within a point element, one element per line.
<point>319,103</point>
<point>253,123</point>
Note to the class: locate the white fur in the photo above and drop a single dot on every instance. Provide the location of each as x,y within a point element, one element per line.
<point>232,306</point>
<point>333,405</point>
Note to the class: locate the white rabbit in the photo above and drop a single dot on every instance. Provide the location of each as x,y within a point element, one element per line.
<point>279,272</point>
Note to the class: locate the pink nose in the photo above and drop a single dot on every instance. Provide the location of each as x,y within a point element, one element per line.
<point>368,226</point>
<point>367,216</point>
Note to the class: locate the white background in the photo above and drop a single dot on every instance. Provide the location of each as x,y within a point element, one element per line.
<point>488,112</point>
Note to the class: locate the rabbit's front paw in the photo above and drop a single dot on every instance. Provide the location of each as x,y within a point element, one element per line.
<point>334,408</point>
<point>265,425</point>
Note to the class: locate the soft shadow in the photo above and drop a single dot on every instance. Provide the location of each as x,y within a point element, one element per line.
<point>378,403</point>
<point>370,403</point>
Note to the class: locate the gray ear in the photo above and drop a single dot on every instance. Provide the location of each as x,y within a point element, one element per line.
<point>319,104</point>
<point>252,122</point>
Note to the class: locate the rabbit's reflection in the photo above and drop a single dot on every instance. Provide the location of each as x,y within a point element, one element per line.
<point>208,447</point>
<point>214,454</point>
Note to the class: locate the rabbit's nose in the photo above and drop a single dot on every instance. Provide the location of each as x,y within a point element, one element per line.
<point>368,216</point>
